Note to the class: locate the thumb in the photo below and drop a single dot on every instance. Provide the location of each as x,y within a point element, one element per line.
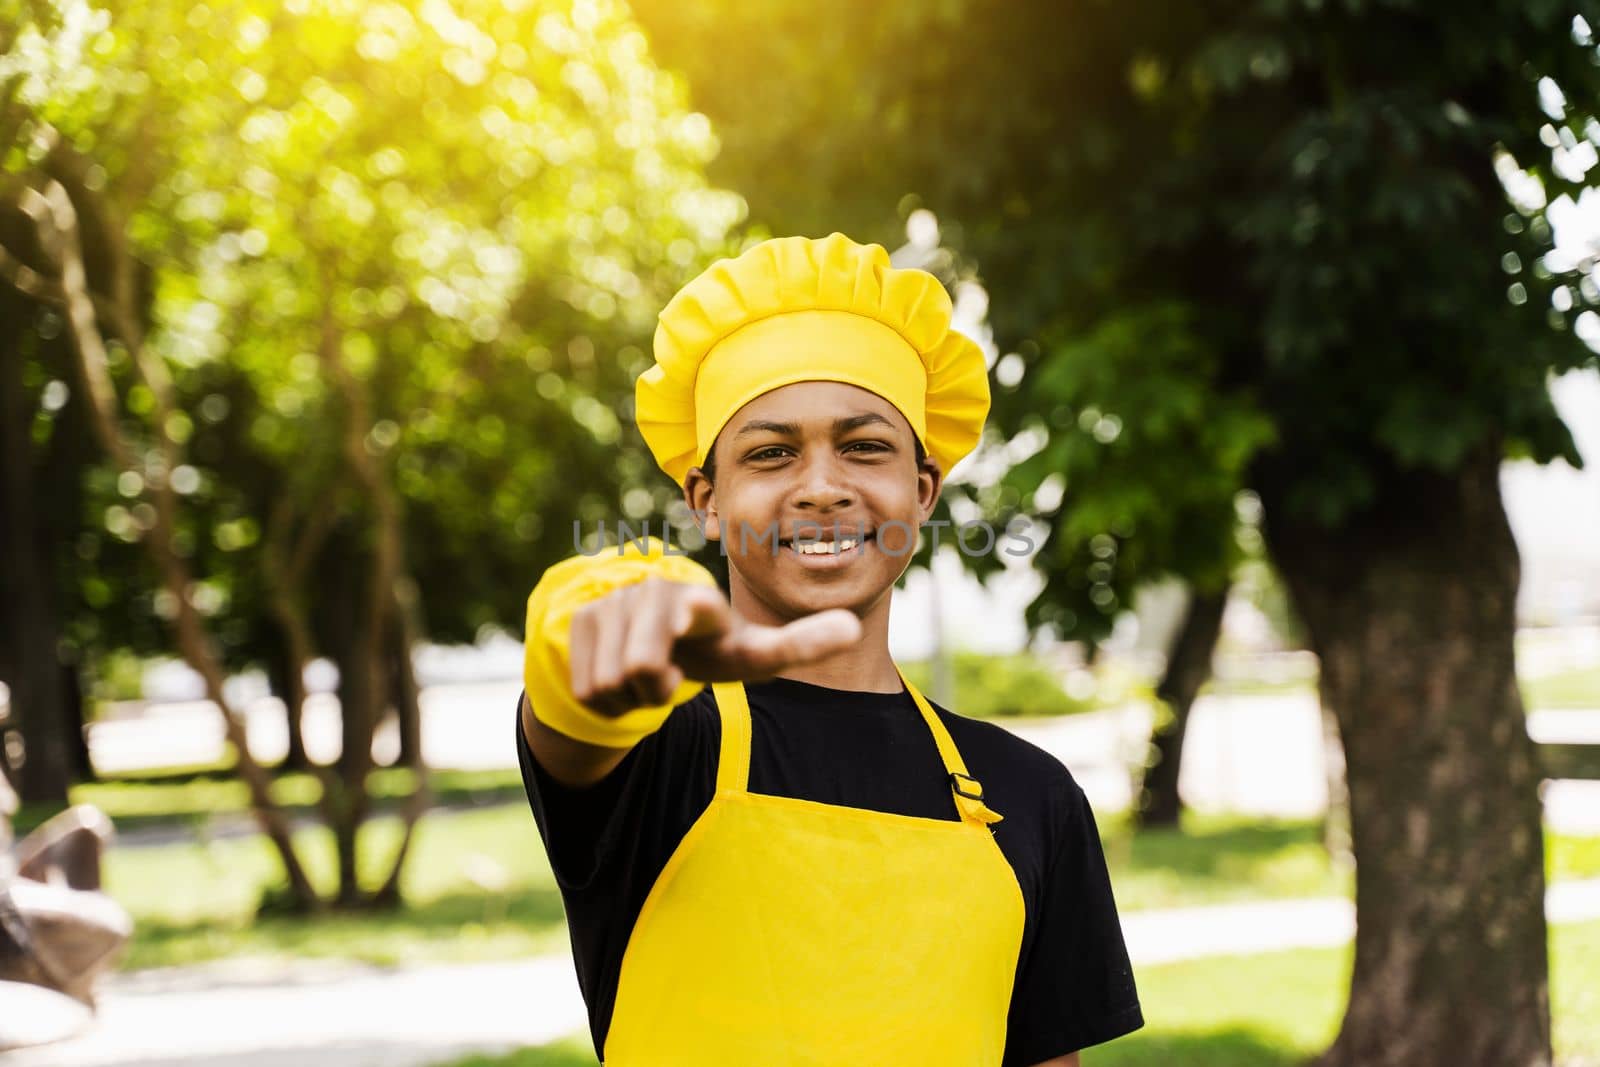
<point>762,650</point>
<point>701,612</point>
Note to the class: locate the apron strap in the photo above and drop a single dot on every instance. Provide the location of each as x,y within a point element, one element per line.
<point>733,758</point>
<point>967,790</point>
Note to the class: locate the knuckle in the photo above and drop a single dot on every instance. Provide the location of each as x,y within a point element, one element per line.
<point>607,678</point>
<point>641,663</point>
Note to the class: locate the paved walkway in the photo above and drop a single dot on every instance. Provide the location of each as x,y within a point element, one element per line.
<point>240,1014</point>
<point>1254,755</point>
<point>1262,755</point>
<point>1175,934</point>
<point>243,1014</point>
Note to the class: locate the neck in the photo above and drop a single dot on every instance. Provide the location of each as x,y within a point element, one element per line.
<point>865,666</point>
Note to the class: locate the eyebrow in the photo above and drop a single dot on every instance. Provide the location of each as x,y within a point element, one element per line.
<point>792,429</point>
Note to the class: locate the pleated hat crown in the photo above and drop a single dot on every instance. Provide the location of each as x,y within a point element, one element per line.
<point>794,309</point>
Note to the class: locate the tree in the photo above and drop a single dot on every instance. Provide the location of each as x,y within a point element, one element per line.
<point>389,264</point>
<point>1277,233</point>
<point>29,614</point>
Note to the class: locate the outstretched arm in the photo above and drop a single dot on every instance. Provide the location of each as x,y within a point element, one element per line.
<point>638,650</point>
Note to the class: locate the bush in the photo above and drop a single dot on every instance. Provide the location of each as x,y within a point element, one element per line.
<point>988,686</point>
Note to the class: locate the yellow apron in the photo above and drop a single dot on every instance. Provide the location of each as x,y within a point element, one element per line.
<point>792,933</point>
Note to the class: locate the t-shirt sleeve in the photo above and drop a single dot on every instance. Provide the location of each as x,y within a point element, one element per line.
<point>608,842</point>
<point>571,820</point>
<point>1075,987</point>
<point>608,832</point>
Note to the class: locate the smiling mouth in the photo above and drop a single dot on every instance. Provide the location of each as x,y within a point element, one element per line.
<point>837,547</point>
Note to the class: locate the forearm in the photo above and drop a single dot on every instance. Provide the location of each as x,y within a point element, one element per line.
<point>569,761</point>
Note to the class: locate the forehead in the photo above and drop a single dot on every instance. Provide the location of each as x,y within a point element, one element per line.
<point>815,405</point>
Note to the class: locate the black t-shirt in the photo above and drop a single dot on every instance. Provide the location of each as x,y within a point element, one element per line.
<point>608,842</point>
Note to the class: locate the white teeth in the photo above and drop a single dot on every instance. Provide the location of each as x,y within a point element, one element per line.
<point>825,548</point>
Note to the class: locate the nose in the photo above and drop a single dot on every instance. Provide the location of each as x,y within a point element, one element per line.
<point>821,484</point>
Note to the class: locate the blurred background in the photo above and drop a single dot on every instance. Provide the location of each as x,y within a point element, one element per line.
<point>318,328</point>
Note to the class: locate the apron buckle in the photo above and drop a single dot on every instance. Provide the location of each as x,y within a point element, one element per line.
<point>956,785</point>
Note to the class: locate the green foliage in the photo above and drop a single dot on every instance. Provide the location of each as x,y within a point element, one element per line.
<point>474,209</point>
<point>1140,453</point>
<point>118,675</point>
<point>1265,245</point>
<point>988,686</point>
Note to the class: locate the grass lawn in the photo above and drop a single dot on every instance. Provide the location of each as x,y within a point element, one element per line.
<point>1272,1010</point>
<point>193,902</point>
<point>1569,689</point>
<point>1227,859</point>
<point>1572,689</point>
<point>1218,860</point>
<point>190,796</point>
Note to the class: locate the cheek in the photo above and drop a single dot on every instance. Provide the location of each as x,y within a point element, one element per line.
<point>899,517</point>
<point>748,509</point>
<point>898,501</point>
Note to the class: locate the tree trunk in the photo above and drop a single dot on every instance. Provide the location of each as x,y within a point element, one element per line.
<point>286,677</point>
<point>405,634</point>
<point>1411,608</point>
<point>290,552</point>
<point>28,605</point>
<point>1188,667</point>
<point>357,718</point>
<point>56,220</point>
<point>378,664</point>
<point>74,722</point>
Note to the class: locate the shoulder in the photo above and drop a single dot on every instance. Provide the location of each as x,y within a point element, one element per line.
<point>691,724</point>
<point>1020,778</point>
<point>986,745</point>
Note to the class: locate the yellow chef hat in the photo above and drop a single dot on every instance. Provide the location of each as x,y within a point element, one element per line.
<point>795,309</point>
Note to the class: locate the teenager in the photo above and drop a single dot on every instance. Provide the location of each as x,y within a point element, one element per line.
<point>804,862</point>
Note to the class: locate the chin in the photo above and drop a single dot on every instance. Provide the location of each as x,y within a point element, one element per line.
<point>855,595</point>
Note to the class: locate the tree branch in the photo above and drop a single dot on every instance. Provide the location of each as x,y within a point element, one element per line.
<point>56,222</point>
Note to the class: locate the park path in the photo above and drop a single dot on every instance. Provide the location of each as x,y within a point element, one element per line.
<point>239,1014</point>
<point>1253,755</point>
<point>1259,755</point>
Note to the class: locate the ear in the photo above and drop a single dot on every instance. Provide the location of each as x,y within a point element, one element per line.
<point>930,480</point>
<point>701,496</point>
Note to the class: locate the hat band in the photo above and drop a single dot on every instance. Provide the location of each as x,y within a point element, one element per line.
<point>813,344</point>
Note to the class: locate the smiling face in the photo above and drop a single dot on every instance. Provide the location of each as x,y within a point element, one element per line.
<point>820,462</point>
